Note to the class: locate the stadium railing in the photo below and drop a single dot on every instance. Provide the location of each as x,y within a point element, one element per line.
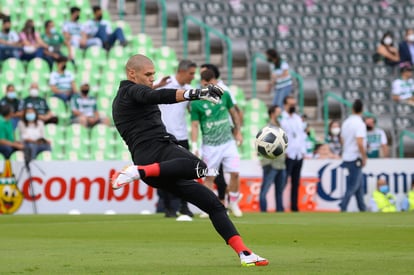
<point>207,31</point>
<point>293,74</point>
<point>163,5</point>
<point>401,146</point>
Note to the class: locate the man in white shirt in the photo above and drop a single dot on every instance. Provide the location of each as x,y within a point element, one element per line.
<point>10,45</point>
<point>353,136</point>
<point>97,28</point>
<point>403,87</point>
<point>72,29</point>
<point>174,119</point>
<point>293,125</point>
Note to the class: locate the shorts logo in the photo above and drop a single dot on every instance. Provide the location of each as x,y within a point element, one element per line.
<point>202,172</point>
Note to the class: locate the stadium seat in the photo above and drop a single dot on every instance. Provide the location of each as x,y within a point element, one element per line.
<point>381,84</point>
<point>333,58</point>
<point>285,44</point>
<point>76,130</point>
<point>403,109</point>
<point>355,83</point>
<point>334,34</point>
<point>307,70</point>
<point>262,20</point>
<point>339,9</point>
<point>191,7</point>
<point>237,20</point>
<point>403,122</point>
<point>96,54</point>
<point>214,7</point>
<point>309,58</point>
<point>379,108</point>
<point>357,71</point>
<point>291,8</point>
<point>263,7</point>
<point>329,83</point>
<point>15,65</point>
<point>216,20</point>
<point>332,71</point>
<point>352,95</point>
<point>310,45</point>
<point>235,32</point>
<point>379,96</point>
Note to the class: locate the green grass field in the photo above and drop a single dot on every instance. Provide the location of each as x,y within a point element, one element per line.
<point>295,243</point>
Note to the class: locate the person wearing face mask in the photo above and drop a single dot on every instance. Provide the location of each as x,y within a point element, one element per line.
<point>406,47</point>
<point>10,45</point>
<point>39,104</point>
<point>33,45</point>
<point>84,108</point>
<point>293,125</point>
<point>281,82</point>
<point>8,144</point>
<point>386,51</point>
<point>32,134</point>
<point>382,200</point>
<point>72,29</point>
<point>11,98</point>
<point>377,144</point>
<point>62,82</point>
<point>97,28</point>
<point>54,41</point>
<point>403,87</point>
<point>333,139</point>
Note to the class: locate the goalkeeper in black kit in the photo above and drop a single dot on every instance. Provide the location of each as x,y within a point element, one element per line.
<point>158,159</point>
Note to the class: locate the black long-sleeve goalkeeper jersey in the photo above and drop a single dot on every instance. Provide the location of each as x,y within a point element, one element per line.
<point>136,114</point>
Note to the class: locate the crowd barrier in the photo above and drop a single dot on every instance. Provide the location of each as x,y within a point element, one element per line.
<point>60,187</point>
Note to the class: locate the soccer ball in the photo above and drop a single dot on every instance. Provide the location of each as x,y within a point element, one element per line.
<point>271,142</point>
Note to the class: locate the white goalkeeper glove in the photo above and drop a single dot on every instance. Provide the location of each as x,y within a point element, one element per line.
<point>210,93</point>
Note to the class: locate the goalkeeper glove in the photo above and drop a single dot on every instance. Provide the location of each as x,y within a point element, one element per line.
<point>210,93</point>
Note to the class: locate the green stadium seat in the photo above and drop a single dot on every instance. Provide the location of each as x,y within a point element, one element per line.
<point>15,65</point>
<point>39,65</point>
<point>119,53</point>
<point>97,55</point>
<point>56,134</point>
<point>105,132</point>
<point>58,107</point>
<point>12,77</point>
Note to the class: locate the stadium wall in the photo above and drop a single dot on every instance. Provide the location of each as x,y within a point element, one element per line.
<point>63,186</point>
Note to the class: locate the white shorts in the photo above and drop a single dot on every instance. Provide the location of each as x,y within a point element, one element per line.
<point>226,154</point>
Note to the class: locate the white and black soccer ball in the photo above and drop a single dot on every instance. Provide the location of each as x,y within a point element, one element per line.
<point>271,142</point>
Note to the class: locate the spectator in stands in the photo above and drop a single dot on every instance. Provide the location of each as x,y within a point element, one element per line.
<point>333,138</point>
<point>72,30</point>
<point>8,145</point>
<point>101,29</point>
<point>32,133</point>
<point>377,144</point>
<point>406,47</point>
<point>293,125</point>
<point>33,45</point>
<point>10,45</point>
<point>54,41</point>
<point>353,135</point>
<point>386,51</point>
<point>323,151</point>
<point>39,104</point>
<point>84,108</point>
<point>280,82</point>
<point>403,87</point>
<point>382,200</point>
<point>174,119</point>
<point>11,99</point>
<point>274,171</point>
<point>62,82</point>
